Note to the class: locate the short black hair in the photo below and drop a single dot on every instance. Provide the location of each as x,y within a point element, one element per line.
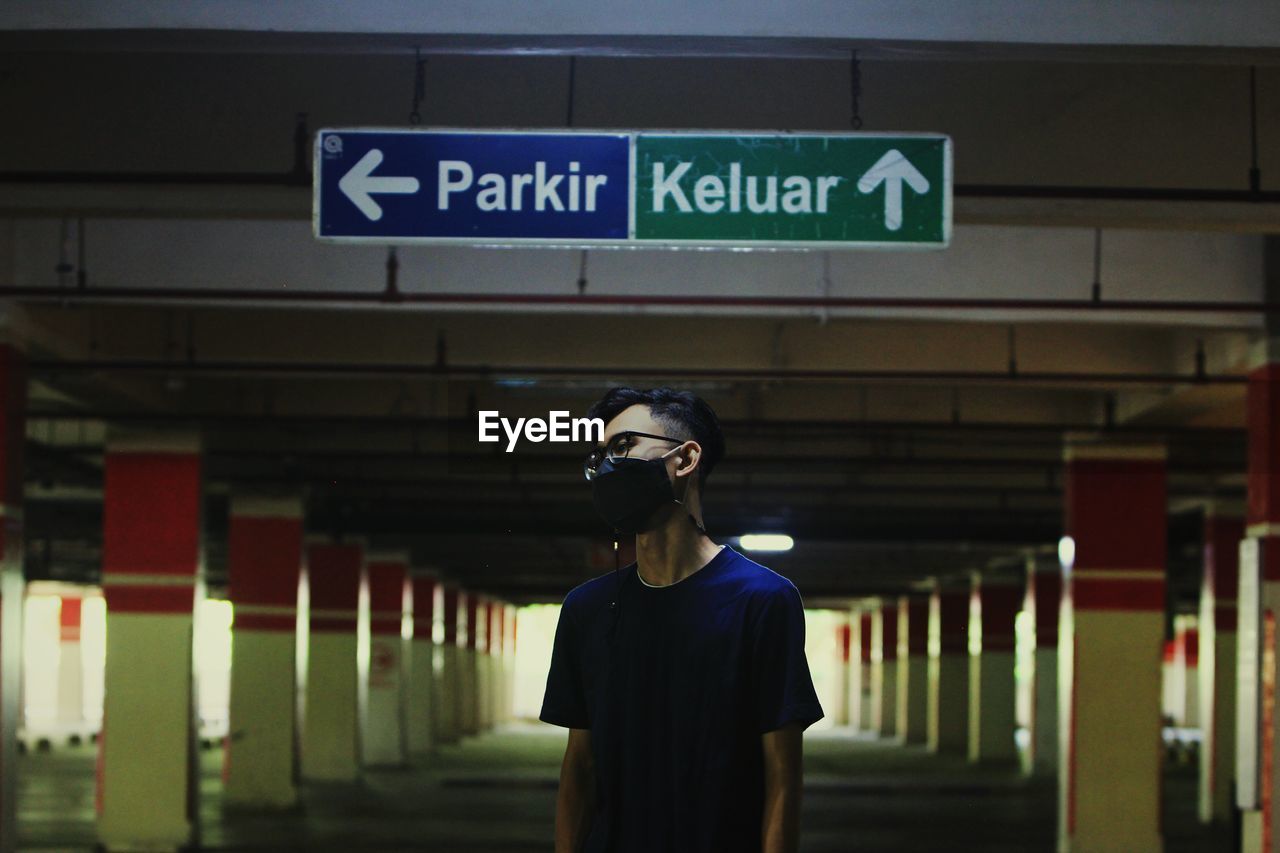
<point>684,413</point>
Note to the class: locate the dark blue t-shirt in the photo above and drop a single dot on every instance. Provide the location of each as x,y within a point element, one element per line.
<point>677,685</point>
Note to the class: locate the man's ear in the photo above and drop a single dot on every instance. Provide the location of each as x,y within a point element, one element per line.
<point>688,458</point>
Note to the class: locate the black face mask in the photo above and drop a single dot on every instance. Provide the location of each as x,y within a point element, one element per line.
<point>627,492</point>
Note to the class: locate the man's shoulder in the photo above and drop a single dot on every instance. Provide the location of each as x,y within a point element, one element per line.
<point>760,580</point>
<point>598,590</point>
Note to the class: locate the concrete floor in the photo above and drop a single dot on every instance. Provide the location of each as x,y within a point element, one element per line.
<point>496,794</point>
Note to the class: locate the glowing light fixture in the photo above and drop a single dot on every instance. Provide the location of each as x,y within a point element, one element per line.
<point>1066,553</point>
<point>766,542</point>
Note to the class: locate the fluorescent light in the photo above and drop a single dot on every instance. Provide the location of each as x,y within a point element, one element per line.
<point>766,542</point>
<point>1066,553</point>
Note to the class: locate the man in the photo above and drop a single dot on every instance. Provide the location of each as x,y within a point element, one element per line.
<point>682,677</point>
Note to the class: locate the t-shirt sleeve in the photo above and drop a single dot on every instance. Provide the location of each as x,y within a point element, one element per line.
<point>565,701</point>
<point>782,684</point>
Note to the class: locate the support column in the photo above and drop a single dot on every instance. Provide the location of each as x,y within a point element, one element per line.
<point>13,407</point>
<point>884,668</point>
<point>1186,651</point>
<point>497,669</point>
<point>264,569</point>
<point>480,663</point>
<point>151,521</point>
<point>865,722</point>
<point>843,643</point>
<point>1110,640</point>
<point>1223,530</point>
<point>509,653</point>
<point>1259,599</point>
<point>1174,687</point>
<point>854,698</point>
<point>994,604</point>
<point>1043,601</point>
<point>330,732</point>
<point>71,721</point>
<point>467,606</point>
<point>913,675</point>
<point>1169,681</point>
<point>383,730</point>
<point>448,694</point>
<point>948,705</point>
<point>424,589</point>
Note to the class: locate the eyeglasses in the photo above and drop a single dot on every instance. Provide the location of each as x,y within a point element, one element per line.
<point>618,448</point>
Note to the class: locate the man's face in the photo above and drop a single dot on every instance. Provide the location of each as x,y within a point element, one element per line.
<point>635,434</point>
<point>637,419</point>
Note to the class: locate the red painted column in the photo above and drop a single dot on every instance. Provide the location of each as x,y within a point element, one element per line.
<point>419,712</point>
<point>383,729</point>
<point>854,698</point>
<point>1223,530</point>
<point>469,683</point>
<point>1186,652</point>
<point>884,667</point>
<point>147,782</point>
<point>510,616</point>
<point>948,707</point>
<point>865,722</point>
<point>264,570</point>
<point>913,669</point>
<point>448,694</point>
<point>13,407</point>
<point>331,727</point>
<point>1109,655</point>
<point>1257,771</point>
<point>499,678</point>
<point>993,608</point>
<point>844,642</point>
<point>1043,601</point>
<point>71,717</point>
<point>1169,681</point>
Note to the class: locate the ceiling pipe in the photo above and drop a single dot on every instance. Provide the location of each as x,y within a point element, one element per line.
<point>570,460</point>
<point>321,484</point>
<point>53,367</point>
<point>295,178</point>
<point>1029,433</point>
<point>519,300</point>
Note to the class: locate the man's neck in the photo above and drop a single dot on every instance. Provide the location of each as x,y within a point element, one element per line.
<point>673,551</point>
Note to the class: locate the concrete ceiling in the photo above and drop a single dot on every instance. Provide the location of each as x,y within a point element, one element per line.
<point>894,445</point>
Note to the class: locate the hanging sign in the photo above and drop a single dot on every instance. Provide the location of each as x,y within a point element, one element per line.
<point>583,188</point>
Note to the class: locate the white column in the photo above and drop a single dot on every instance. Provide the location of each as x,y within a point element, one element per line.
<point>383,732</point>
<point>419,715</point>
<point>70,669</point>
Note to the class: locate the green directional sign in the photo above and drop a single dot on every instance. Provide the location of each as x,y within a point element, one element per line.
<point>785,190</point>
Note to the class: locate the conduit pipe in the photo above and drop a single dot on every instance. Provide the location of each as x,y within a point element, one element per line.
<point>520,300</point>
<point>1216,435</point>
<point>300,177</point>
<point>479,371</point>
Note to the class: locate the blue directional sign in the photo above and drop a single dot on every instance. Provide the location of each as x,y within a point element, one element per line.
<point>633,188</point>
<point>467,186</point>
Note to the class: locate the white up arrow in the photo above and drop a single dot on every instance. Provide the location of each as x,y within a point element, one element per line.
<point>892,170</point>
<point>359,184</point>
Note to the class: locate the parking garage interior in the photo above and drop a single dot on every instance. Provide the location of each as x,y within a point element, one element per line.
<point>1020,478</point>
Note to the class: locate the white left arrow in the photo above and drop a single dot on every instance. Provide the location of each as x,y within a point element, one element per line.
<point>893,170</point>
<point>359,185</point>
